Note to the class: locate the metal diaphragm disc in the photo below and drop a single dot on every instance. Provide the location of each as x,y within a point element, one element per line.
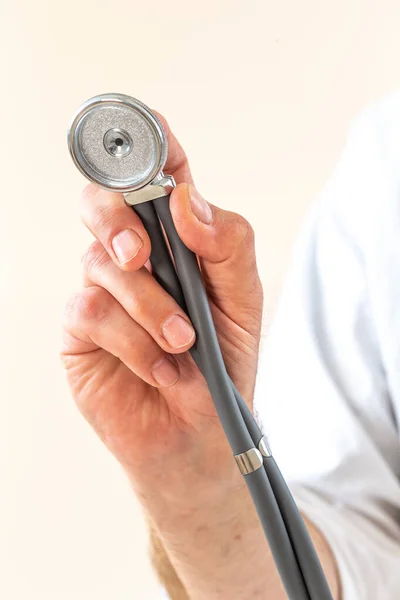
<point>117,142</point>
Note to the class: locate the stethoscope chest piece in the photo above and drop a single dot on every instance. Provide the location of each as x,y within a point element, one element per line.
<point>117,142</point>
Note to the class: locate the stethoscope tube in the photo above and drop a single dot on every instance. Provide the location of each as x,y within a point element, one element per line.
<point>288,538</point>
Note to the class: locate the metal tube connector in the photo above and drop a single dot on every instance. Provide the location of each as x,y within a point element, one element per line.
<point>249,461</point>
<point>264,447</point>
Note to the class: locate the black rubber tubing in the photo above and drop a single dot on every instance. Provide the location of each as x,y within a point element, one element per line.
<point>163,269</point>
<point>189,278</point>
<point>165,273</point>
<point>306,554</point>
<point>299,536</point>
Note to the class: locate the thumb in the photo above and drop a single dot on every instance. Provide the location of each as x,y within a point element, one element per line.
<point>224,242</point>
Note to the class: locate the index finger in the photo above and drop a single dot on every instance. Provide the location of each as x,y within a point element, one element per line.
<point>177,163</point>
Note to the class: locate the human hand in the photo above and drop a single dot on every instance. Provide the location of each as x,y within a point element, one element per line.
<point>126,341</point>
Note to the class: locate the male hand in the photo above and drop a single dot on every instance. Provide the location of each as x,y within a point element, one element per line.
<point>126,341</point>
<point>125,351</point>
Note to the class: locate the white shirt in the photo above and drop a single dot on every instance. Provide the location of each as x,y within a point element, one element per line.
<point>328,388</point>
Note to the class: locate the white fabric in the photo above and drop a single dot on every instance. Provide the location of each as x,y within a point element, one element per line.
<point>328,388</point>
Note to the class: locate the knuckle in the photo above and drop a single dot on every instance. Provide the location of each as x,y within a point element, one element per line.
<point>91,305</point>
<point>89,191</point>
<point>244,231</point>
<point>98,215</point>
<point>103,216</point>
<point>247,230</point>
<point>258,297</point>
<point>95,258</point>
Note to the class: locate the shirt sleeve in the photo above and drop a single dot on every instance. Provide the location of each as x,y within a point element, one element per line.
<point>325,396</point>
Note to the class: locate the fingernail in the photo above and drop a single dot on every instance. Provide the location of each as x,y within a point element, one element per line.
<point>177,331</point>
<point>165,372</point>
<point>126,244</point>
<point>200,208</point>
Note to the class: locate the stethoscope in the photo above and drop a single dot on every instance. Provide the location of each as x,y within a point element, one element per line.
<point>120,144</point>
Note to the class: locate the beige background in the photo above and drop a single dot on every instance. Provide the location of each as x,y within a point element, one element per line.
<point>261,94</point>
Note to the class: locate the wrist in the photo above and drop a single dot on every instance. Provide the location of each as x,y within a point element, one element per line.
<point>219,552</point>
<point>183,493</point>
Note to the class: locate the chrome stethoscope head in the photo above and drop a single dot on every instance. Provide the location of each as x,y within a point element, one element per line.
<point>118,143</point>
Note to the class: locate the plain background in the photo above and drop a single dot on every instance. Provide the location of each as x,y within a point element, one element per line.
<point>261,94</point>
